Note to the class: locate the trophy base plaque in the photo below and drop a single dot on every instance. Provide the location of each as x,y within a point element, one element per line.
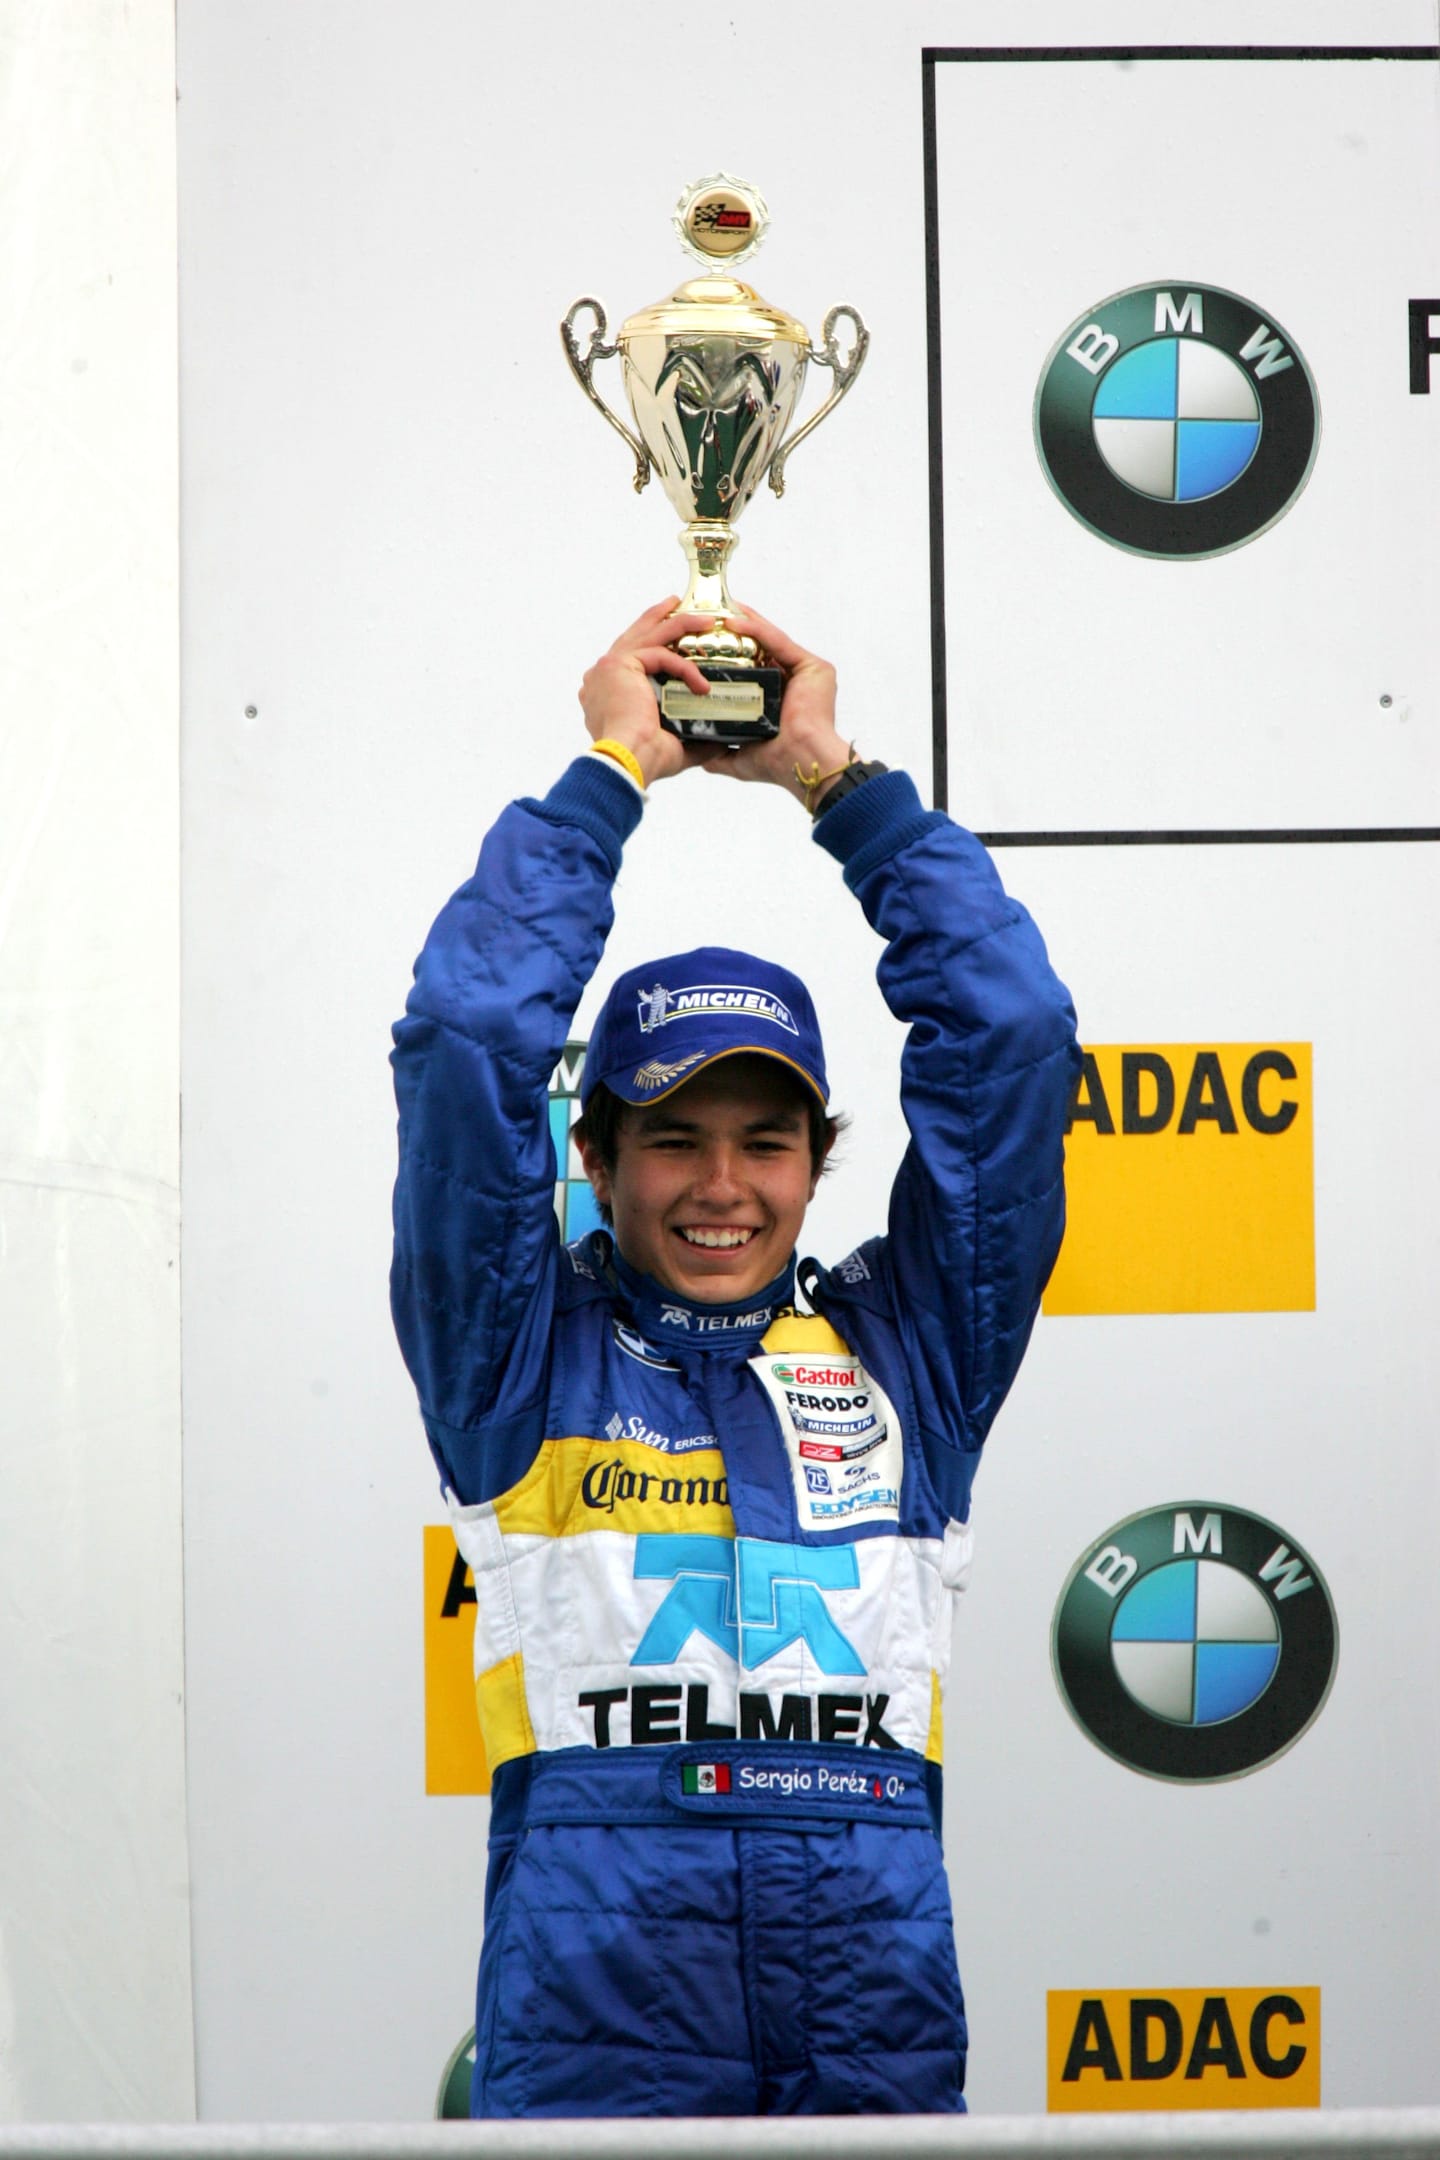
<point>743,707</point>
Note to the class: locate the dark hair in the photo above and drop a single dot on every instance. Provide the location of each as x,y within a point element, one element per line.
<point>601,1123</point>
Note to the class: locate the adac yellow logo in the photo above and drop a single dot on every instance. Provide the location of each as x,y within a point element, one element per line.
<point>1189,1181</point>
<point>1183,2048</point>
<point>454,1751</point>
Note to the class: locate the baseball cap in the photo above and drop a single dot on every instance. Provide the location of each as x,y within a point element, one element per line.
<point>666,1021</point>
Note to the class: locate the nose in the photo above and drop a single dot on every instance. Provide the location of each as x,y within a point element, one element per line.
<point>718,1179</point>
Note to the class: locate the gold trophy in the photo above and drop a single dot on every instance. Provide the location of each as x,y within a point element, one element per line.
<point>713,375</point>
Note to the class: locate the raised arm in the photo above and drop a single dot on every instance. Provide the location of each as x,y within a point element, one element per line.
<point>496,987</point>
<point>978,1207</point>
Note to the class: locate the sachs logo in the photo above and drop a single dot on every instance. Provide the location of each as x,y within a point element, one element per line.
<point>1194,1642</point>
<point>1176,420</point>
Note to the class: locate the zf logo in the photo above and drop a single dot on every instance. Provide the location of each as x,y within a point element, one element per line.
<point>1194,1642</point>
<point>1176,420</point>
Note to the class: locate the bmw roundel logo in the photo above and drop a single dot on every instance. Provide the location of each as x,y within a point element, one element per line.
<point>1176,420</point>
<point>1194,1642</point>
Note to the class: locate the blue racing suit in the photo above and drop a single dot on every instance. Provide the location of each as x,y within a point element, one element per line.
<point>714,1548</point>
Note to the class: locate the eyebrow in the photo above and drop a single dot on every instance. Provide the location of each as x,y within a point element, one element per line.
<point>662,1121</point>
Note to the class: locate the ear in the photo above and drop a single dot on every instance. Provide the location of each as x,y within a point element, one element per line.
<point>818,1171</point>
<point>596,1171</point>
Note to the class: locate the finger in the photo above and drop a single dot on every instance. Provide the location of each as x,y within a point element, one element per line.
<point>730,764</point>
<point>678,626</point>
<point>777,642</point>
<point>643,625</point>
<point>661,622</point>
<point>660,660</point>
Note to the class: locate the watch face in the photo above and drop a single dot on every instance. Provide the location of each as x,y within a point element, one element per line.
<point>1176,420</point>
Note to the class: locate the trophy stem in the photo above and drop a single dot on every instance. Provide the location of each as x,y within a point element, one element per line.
<point>743,703</point>
<point>708,544</point>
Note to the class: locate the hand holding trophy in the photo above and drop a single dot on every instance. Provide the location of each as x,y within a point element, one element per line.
<point>713,375</point>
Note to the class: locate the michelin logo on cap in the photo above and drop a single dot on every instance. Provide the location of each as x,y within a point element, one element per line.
<point>658,1007</point>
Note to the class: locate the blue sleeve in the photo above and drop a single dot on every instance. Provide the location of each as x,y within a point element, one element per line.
<point>476,1242</point>
<point>987,1074</point>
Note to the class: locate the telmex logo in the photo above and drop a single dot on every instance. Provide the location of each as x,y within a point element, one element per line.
<point>766,1596</point>
<point>1184,2048</point>
<point>1176,420</point>
<point>1194,1642</point>
<point>752,1599</point>
<point>1190,1182</point>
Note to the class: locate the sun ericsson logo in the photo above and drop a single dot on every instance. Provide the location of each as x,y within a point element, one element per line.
<point>1194,1642</point>
<point>1176,420</point>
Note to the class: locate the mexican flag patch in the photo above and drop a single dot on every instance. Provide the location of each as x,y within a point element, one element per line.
<point>704,1777</point>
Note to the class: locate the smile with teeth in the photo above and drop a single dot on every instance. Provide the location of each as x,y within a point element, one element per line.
<point>716,1240</point>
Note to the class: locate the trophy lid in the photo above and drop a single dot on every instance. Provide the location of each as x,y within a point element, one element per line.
<point>721,219</point>
<point>714,307</point>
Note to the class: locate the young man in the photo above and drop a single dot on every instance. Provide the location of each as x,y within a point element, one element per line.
<point>714,1538</point>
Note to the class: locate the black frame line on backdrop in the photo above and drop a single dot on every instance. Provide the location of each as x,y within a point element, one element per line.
<point>930,56</point>
<point>1243,836</point>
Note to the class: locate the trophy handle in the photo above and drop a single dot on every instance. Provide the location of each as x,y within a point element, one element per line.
<point>583,363</point>
<point>844,369</point>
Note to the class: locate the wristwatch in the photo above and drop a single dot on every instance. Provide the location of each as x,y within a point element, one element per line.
<point>852,777</point>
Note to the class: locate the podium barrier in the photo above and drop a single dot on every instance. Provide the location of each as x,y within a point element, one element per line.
<point>1339,2134</point>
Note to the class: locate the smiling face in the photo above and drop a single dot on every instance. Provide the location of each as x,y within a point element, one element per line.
<point>708,1189</point>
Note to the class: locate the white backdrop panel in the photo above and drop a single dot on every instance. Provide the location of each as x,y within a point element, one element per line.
<point>1244,690</point>
<point>406,535</point>
<point>1319,1869</point>
<point>94,1920</point>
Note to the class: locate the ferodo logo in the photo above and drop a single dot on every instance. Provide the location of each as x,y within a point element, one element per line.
<point>1190,1181</point>
<point>1183,2048</point>
<point>454,1751</point>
